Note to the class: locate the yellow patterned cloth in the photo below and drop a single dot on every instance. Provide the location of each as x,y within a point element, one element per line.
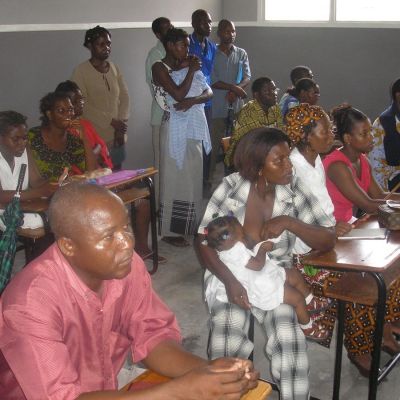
<point>299,118</point>
<point>252,116</point>
<point>381,171</point>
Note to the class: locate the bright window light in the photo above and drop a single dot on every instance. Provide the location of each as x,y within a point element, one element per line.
<point>367,10</point>
<point>295,10</point>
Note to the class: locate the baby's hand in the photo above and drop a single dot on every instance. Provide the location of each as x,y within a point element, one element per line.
<point>267,246</point>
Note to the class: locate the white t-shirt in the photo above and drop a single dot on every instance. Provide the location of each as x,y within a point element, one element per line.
<point>9,181</point>
<point>315,179</point>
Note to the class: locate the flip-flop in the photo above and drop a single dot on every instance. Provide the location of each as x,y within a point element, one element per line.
<point>177,241</point>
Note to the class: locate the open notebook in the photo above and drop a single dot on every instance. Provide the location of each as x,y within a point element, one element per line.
<point>378,233</point>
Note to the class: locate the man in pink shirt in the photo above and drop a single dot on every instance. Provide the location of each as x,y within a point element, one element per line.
<point>68,320</point>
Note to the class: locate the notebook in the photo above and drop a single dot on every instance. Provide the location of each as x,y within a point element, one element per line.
<point>378,233</point>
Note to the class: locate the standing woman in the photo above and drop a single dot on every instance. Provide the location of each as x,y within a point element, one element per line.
<point>180,184</point>
<point>105,92</point>
<point>350,184</point>
<point>53,146</point>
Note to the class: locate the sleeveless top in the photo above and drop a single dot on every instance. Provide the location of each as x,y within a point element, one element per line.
<point>160,94</point>
<point>343,206</point>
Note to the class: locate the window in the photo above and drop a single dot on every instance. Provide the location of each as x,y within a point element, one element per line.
<point>295,10</point>
<point>332,11</point>
<point>367,10</point>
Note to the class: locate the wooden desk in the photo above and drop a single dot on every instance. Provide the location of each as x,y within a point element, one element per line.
<point>128,194</point>
<point>364,262</point>
<point>150,378</point>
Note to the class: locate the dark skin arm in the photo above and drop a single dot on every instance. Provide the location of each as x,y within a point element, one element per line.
<point>196,378</point>
<point>315,236</point>
<point>257,263</point>
<point>161,77</point>
<point>209,259</point>
<point>238,89</point>
<point>342,177</point>
<point>188,102</point>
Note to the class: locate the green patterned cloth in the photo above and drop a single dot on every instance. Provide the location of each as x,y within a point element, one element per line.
<point>51,163</point>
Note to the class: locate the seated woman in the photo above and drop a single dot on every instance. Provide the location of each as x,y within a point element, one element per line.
<point>181,152</point>
<point>385,155</point>
<point>350,184</point>
<point>53,146</point>
<point>270,202</point>
<point>79,126</point>
<point>305,91</point>
<point>13,153</point>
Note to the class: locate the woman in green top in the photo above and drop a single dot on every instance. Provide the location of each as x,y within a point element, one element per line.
<point>53,147</point>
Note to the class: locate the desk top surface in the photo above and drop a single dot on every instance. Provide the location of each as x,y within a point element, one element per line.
<point>360,255</point>
<point>42,204</point>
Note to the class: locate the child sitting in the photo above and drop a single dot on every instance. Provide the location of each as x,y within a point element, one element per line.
<point>267,284</point>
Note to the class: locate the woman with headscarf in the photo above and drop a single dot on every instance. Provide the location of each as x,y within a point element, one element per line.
<point>105,93</point>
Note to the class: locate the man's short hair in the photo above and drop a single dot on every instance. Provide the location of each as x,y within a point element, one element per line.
<point>259,83</point>
<point>9,119</point>
<point>223,24</point>
<point>198,14</point>
<point>69,209</point>
<point>298,72</point>
<point>157,23</point>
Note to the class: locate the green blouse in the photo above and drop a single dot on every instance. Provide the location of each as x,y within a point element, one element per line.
<point>51,163</point>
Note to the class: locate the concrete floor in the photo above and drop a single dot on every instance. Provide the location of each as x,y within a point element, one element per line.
<point>179,284</point>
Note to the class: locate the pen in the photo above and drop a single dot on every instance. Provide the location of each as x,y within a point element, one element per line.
<point>63,177</point>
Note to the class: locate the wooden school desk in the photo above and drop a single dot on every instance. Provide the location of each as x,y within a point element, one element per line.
<point>369,267</point>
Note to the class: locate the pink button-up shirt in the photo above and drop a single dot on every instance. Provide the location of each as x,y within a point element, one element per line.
<point>58,339</point>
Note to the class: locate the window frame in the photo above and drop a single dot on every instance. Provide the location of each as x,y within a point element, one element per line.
<point>331,23</point>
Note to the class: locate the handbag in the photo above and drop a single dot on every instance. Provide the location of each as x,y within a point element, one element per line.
<point>389,217</point>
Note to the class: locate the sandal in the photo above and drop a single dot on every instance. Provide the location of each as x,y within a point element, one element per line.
<point>318,304</point>
<point>177,241</point>
<point>316,333</point>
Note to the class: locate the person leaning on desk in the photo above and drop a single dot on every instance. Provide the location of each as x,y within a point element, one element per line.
<point>68,320</point>
<point>350,184</point>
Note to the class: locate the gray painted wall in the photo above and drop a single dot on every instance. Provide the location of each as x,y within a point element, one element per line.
<point>354,65</point>
<point>33,63</point>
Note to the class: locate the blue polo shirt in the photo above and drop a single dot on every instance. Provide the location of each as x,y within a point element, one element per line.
<point>206,56</point>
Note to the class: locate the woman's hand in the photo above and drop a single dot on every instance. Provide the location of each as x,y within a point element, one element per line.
<point>342,228</point>
<point>237,294</point>
<point>274,227</point>
<point>194,63</point>
<point>119,125</point>
<point>185,104</point>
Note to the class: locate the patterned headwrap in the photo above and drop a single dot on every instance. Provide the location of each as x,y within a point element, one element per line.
<point>300,119</point>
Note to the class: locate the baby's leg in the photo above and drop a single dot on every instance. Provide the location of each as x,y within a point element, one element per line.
<point>295,298</point>
<point>296,280</point>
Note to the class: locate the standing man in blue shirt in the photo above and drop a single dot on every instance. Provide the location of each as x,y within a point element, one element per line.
<point>202,47</point>
<point>230,77</point>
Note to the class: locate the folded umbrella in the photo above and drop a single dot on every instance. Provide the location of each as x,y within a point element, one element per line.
<point>12,218</point>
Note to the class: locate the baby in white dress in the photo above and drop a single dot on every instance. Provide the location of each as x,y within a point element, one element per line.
<point>267,284</point>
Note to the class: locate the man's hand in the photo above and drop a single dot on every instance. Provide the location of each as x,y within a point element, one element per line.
<point>342,228</point>
<point>238,91</point>
<point>221,379</point>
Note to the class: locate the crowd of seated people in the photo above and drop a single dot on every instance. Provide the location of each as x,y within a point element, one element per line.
<point>287,188</point>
